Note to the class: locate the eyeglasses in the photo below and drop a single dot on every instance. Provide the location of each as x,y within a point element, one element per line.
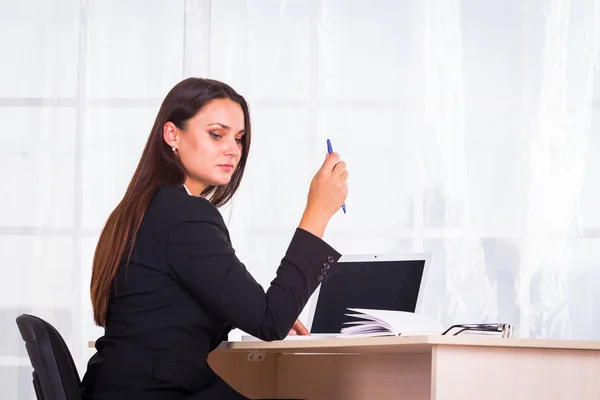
<point>506,330</point>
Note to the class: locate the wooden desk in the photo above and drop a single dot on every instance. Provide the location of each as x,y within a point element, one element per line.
<point>416,368</point>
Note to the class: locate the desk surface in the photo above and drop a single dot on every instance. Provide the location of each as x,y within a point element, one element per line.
<point>398,344</point>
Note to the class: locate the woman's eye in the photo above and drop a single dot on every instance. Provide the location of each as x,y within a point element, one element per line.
<point>239,140</point>
<point>215,135</point>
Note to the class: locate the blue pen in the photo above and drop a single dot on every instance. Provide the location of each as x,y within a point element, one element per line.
<point>330,150</point>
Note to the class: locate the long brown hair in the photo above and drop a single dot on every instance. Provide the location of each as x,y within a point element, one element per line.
<point>158,166</point>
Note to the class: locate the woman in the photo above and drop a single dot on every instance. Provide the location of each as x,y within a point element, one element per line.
<point>166,283</point>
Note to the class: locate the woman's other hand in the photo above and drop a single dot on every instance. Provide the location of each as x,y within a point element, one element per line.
<point>298,329</point>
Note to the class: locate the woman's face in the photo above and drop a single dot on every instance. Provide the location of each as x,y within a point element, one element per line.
<point>210,147</point>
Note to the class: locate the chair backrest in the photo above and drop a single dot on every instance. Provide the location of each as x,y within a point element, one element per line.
<point>55,376</point>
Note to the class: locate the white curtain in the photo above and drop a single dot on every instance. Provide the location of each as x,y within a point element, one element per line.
<point>470,129</point>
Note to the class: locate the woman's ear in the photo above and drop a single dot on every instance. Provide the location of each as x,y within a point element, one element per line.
<point>171,135</point>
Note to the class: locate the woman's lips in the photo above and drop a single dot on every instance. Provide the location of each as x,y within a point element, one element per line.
<point>227,167</point>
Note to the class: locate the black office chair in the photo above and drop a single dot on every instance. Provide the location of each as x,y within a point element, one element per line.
<point>55,376</point>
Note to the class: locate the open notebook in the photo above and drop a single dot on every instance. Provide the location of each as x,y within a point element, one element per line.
<point>388,323</point>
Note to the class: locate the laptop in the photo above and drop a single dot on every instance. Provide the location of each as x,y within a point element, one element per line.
<point>374,281</point>
<point>371,281</point>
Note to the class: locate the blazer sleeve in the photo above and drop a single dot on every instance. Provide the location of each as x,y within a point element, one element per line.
<point>204,261</point>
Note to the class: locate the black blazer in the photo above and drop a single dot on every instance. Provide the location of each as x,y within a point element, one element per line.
<point>182,292</point>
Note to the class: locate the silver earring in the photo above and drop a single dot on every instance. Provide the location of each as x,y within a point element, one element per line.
<point>173,148</point>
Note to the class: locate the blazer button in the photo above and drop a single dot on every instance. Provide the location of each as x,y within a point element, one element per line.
<point>323,271</point>
<point>326,266</point>
<point>320,278</point>
<point>330,259</point>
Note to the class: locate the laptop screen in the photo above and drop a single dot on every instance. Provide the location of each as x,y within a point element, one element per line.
<point>382,285</point>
